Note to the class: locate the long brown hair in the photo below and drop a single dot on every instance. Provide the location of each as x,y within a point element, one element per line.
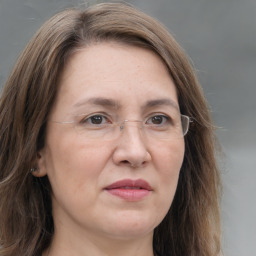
<point>192,225</point>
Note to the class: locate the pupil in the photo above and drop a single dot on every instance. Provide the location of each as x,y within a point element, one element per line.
<point>157,120</point>
<point>96,119</point>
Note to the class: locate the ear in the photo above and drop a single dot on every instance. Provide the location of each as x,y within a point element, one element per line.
<point>40,166</point>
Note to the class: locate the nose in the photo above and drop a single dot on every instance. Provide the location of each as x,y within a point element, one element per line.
<point>131,147</point>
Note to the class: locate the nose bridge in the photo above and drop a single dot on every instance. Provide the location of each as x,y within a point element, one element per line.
<point>133,130</point>
<point>136,123</point>
<point>131,145</point>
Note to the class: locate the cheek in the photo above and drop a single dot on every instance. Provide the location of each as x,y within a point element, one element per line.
<point>74,163</point>
<point>73,171</point>
<point>170,159</point>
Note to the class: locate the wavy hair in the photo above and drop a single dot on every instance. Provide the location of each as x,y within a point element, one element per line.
<point>192,225</point>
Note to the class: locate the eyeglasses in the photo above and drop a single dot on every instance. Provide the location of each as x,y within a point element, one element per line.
<point>160,127</point>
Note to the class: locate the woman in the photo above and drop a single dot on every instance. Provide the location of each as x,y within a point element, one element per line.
<point>107,146</point>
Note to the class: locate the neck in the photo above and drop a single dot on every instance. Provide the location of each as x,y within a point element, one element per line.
<point>80,246</point>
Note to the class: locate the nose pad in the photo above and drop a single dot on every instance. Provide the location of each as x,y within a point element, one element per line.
<point>131,123</point>
<point>138,129</point>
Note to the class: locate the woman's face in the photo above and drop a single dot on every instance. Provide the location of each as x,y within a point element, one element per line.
<point>112,182</point>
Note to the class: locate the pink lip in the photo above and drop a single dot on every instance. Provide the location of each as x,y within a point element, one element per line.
<point>130,190</point>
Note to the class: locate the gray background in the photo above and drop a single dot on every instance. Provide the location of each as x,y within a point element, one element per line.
<point>220,38</point>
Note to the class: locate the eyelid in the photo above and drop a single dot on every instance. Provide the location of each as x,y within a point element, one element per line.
<point>166,120</point>
<point>168,116</point>
<point>114,120</point>
<point>87,116</point>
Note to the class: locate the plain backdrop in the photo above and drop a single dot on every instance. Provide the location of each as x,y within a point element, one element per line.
<point>220,38</point>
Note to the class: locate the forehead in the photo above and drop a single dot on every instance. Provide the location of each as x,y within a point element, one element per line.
<point>128,75</point>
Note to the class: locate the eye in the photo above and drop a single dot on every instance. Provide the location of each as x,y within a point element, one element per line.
<point>158,120</point>
<point>97,120</point>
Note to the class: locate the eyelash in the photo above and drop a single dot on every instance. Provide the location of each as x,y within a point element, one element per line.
<point>87,118</point>
<point>167,118</point>
<point>108,120</point>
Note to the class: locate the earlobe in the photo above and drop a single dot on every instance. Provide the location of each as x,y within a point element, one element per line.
<point>39,170</point>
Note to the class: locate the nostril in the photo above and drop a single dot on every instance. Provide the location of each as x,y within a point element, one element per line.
<point>131,151</point>
<point>125,162</point>
<point>133,165</point>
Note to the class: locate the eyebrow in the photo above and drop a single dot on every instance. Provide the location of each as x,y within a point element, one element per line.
<point>161,102</point>
<point>100,101</point>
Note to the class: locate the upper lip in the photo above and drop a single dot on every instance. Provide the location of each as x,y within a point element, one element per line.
<point>129,183</point>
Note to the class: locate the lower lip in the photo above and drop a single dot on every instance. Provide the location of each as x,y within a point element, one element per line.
<point>129,194</point>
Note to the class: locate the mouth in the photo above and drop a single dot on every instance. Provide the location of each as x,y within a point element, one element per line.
<point>130,190</point>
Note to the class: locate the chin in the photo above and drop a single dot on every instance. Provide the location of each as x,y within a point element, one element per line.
<point>130,226</point>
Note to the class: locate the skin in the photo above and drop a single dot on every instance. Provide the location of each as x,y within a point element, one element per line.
<point>89,220</point>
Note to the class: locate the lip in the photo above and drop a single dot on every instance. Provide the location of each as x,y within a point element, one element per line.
<point>130,190</point>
